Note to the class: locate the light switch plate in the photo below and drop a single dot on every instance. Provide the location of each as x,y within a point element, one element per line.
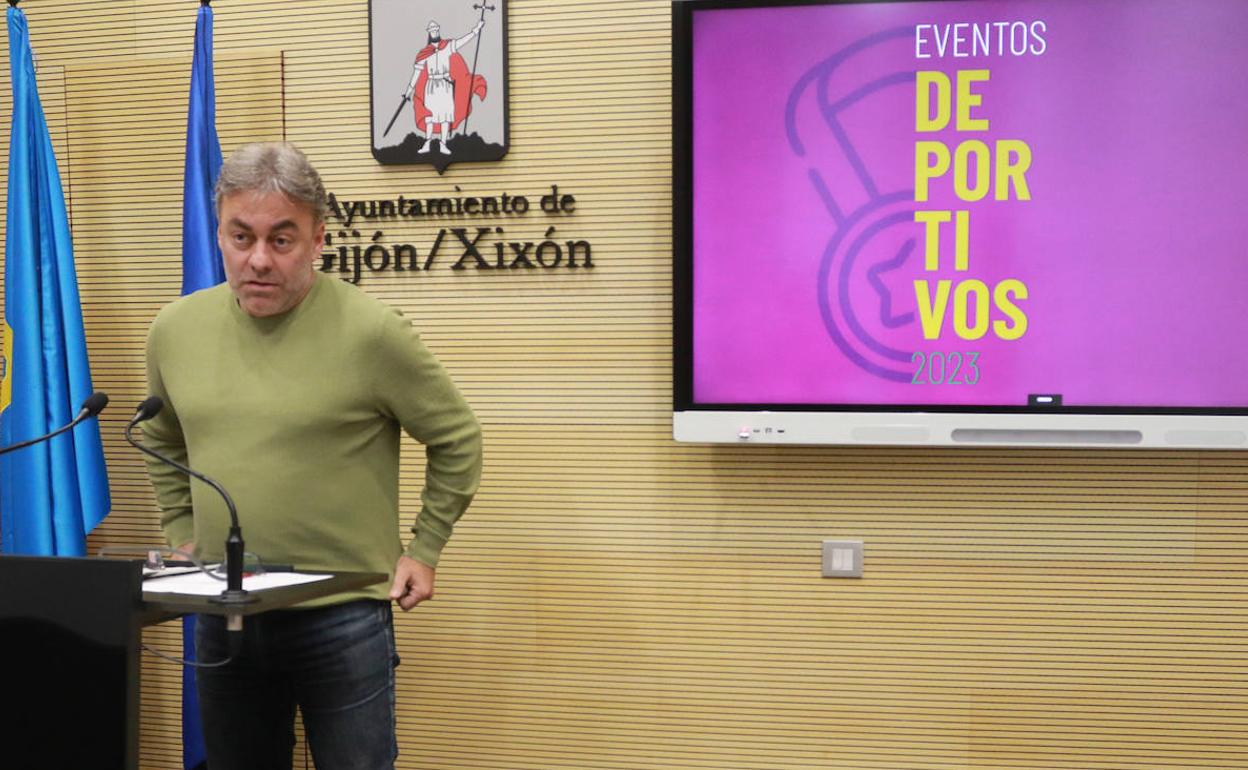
<point>842,558</point>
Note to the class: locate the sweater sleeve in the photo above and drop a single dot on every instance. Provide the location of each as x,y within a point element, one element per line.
<point>163,433</point>
<point>413,388</point>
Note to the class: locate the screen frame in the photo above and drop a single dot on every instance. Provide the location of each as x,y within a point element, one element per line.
<point>865,423</point>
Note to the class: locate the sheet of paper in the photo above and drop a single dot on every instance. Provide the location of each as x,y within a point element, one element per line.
<point>199,584</point>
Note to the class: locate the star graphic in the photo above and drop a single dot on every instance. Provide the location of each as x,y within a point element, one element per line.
<point>887,318</point>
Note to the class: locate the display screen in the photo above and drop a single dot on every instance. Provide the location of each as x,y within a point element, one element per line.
<point>974,203</point>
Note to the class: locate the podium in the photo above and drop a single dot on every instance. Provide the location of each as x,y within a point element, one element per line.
<point>70,631</point>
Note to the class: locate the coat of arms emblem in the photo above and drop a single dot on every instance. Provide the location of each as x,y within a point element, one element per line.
<point>439,81</point>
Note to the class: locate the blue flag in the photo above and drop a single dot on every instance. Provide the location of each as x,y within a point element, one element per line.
<point>201,256</point>
<point>201,268</point>
<point>51,494</point>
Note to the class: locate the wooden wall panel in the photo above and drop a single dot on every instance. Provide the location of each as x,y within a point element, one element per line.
<point>613,599</point>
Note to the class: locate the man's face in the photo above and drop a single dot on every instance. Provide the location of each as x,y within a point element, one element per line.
<point>269,245</point>
<point>435,33</point>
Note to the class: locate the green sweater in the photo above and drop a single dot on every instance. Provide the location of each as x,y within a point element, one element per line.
<point>298,417</point>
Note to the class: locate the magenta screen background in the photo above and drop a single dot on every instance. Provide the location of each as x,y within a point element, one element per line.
<point>1134,247</point>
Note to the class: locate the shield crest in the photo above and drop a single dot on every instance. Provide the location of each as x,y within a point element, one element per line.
<point>438,81</point>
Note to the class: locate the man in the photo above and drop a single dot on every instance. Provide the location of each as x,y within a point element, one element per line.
<point>446,97</point>
<point>290,388</point>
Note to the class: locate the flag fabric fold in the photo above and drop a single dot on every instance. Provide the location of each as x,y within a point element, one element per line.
<point>54,493</point>
<point>201,268</point>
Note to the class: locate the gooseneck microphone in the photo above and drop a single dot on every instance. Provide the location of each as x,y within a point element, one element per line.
<point>234,593</point>
<point>94,404</point>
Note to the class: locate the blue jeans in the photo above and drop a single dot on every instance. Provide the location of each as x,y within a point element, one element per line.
<point>337,663</point>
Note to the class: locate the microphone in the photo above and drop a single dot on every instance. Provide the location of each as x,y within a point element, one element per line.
<point>233,593</point>
<point>148,408</point>
<point>94,404</point>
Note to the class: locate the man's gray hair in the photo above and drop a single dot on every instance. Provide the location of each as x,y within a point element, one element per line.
<point>266,167</point>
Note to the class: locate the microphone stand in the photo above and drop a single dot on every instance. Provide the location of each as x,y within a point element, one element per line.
<point>94,404</point>
<point>233,593</point>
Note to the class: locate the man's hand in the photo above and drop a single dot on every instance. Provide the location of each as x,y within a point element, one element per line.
<point>480,24</point>
<point>413,582</point>
<point>186,549</point>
